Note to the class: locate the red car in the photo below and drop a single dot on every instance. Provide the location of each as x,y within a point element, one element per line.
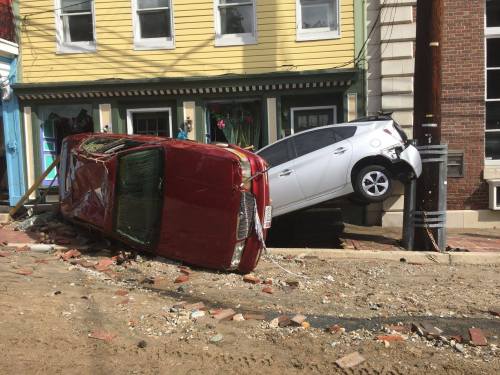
<point>205,205</point>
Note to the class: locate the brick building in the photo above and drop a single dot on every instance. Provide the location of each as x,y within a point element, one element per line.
<point>470,99</point>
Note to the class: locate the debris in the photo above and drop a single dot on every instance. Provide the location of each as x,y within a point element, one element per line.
<point>306,325</point>
<point>335,329</point>
<point>197,314</point>
<point>457,338</point>
<point>267,290</point>
<point>57,292</point>
<point>495,310</point>
<point>390,338</point>
<point>252,316</point>
<point>268,281</point>
<point>398,328</point>
<point>73,253</point>
<point>216,339</point>
<point>284,321</point>
<point>298,320</point>
<point>142,344</point>
<point>477,337</point>
<point>459,348</point>
<point>121,292</point>
<point>238,318</point>
<point>103,265</point>
<point>41,248</point>
<point>350,360</point>
<point>185,270</point>
<point>224,314</point>
<point>102,335</point>
<point>181,279</point>
<point>430,330</point>
<point>193,306</point>
<point>252,279</point>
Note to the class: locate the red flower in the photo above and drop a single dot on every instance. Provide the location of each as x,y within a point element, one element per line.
<point>221,124</point>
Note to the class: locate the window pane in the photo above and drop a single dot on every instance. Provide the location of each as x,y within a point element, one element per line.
<point>148,4</point>
<point>493,146</point>
<point>237,19</point>
<point>492,13</point>
<point>493,115</point>
<point>78,28</point>
<point>345,132</point>
<point>312,141</point>
<point>75,6</point>
<point>276,154</point>
<point>493,84</point>
<point>318,13</point>
<point>493,52</point>
<point>311,118</point>
<point>155,24</point>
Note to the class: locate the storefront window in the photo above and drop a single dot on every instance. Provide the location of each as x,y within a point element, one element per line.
<point>56,123</point>
<point>238,123</point>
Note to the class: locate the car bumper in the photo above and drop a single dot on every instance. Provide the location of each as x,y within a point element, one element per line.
<point>412,157</point>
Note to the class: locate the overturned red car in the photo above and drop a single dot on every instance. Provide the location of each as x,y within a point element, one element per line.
<point>205,205</point>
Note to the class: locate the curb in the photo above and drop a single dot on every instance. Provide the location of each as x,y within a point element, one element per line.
<point>421,257</point>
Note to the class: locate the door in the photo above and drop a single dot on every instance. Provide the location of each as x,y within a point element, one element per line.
<point>323,159</point>
<point>150,121</point>
<point>283,186</point>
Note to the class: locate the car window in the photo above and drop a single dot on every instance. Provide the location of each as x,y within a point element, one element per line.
<point>276,154</point>
<point>344,132</point>
<point>314,140</point>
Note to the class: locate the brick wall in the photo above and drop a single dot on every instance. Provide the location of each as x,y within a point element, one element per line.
<point>463,107</point>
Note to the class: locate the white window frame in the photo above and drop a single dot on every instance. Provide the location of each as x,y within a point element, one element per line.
<point>320,33</point>
<point>295,109</point>
<point>130,117</point>
<point>489,33</point>
<point>72,47</point>
<point>151,43</point>
<point>234,39</point>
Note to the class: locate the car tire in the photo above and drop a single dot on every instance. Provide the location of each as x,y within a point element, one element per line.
<point>373,183</point>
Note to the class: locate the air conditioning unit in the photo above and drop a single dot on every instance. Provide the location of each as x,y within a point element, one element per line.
<point>494,194</point>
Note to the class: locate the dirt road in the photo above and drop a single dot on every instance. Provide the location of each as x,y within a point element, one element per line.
<point>132,318</point>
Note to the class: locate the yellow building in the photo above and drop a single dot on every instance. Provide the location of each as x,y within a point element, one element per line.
<point>239,71</point>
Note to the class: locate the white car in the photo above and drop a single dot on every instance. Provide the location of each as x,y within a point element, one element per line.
<point>320,164</point>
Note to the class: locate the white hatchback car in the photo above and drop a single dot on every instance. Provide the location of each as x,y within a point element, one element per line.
<point>328,162</point>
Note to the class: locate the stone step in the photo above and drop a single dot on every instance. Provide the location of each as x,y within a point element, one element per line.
<point>4,218</point>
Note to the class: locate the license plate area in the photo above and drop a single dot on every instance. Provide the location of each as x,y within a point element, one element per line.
<point>268,217</point>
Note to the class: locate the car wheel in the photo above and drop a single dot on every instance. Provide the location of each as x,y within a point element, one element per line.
<point>373,183</point>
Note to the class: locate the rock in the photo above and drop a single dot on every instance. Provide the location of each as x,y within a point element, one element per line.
<point>252,279</point>
<point>267,290</point>
<point>268,281</point>
<point>350,360</point>
<point>103,264</point>
<point>181,279</point>
<point>24,271</point>
<point>284,321</point>
<point>334,329</point>
<point>216,339</point>
<point>197,314</point>
<point>431,330</point>
<point>251,316</point>
<point>477,337</point>
<point>225,314</point>
<point>306,325</point>
<point>238,318</point>
<point>459,348</point>
<point>142,344</point>
<point>398,328</point>
<point>298,319</point>
<point>70,254</point>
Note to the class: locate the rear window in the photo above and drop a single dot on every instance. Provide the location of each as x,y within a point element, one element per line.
<point>315,140</point>
<point>276,154</point>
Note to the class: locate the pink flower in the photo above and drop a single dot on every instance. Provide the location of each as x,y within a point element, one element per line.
<point>221,124</point>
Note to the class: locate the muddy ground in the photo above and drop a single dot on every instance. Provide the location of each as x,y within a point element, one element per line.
<point>64,318</point>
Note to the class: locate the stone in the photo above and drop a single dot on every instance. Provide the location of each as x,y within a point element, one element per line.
<point>73,253</point>
<point>268,281</point>
<point>298,319</point>
<point>238,318</point>
<point>306,325</point>
<point>350,360</point>
<point>334,329</point>
<point>225,314</point>
<point>459,348</point>
<point>216,339</point>
<point>399,329</point>
<point>477,337</point>
<point>181,279</point>
<point>103,264</point>
<point>457,338</point>
<point>197,314</point>
<point>390,338</point>
<point>284,321</point>
<point>252,279</point>
<point>24,271</point>
<point>431,330</point>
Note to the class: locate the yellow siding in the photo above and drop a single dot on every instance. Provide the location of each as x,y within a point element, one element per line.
<point>194,53</point>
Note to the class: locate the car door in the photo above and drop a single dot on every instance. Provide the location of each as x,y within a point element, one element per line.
<point>283,186</point>
<point>322,162</point>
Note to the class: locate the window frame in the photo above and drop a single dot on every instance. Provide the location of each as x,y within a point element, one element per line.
<point>489,33</point>
<point>72,47</point>
<point>295,109</point>
<point>151,43</point>
<point>130,117</point>
<point>318,33</point>
<point>222,40</point>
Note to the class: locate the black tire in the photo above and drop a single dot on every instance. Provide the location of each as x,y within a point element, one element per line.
<point>373,183</point>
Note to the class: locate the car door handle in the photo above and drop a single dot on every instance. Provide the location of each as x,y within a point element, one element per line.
<point>340,151</point>
<point>286,172</point>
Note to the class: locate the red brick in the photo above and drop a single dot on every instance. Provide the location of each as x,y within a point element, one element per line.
<point>252,279</point>
<point>181,279</point>
<point>224,314</point>
<point>477,337</point>
<point>390,338</point>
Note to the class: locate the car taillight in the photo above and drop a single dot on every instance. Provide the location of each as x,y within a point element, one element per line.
<point>246,215</point>
<point>387,131</point>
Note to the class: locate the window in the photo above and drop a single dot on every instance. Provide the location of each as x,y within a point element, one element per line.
<point>276,154</point>
<point>455,164</point>
<point>304,118</point>
<point>75,26</point>
<point>314,140</point>
<point>150,121</point>
<point>235,22</point>
<point>153,24</point>
<point>317,19</point>
<point>492,129</point>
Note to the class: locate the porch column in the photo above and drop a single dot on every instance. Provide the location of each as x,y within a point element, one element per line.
<point>272,123</point>
<point>28,140</point>
<point>189,114</point>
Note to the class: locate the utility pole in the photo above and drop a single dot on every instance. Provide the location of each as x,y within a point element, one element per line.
<point>430,209</point>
